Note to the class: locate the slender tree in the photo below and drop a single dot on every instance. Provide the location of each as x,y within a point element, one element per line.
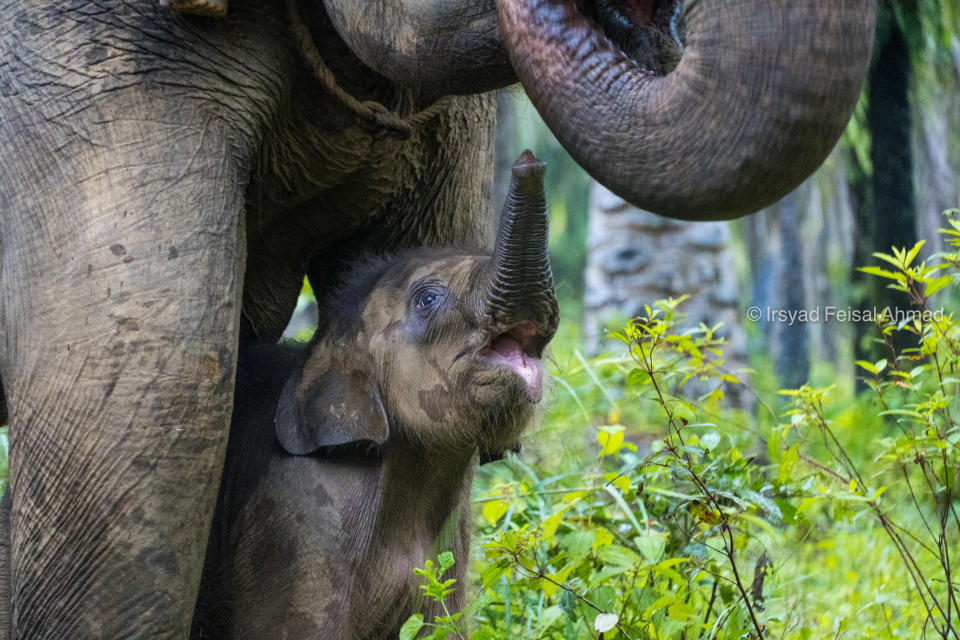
<point>886,213</point>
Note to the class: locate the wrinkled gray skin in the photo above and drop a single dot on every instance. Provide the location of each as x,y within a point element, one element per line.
<point>347,470</point>
<point>166,180</point>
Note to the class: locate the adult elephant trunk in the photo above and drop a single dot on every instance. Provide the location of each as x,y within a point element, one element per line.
<point>520,294</point>
<point>431,46</point>
<point>759,97</point>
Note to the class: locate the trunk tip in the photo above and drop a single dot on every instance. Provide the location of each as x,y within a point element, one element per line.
<point>529,165</point>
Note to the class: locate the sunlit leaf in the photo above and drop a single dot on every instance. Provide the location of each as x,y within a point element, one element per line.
<point>605,622</point>
<point>610,439</point>
<point>651,545</point>
<point>411,627</point>
<point>494,510</point>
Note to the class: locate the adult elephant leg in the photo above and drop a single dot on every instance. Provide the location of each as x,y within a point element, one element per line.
<point>5,566</point>
<point>120,293</point>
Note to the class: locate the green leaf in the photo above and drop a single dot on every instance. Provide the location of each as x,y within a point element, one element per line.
<point>611,439</point>
<point>494,510</point>
<point>446,561</point>
<point>936,284</point>
<point>895,261</point>
<point>618,480</point>
<point>568,602</point>
<point>710,440</point>
<point>788,461</point>
<point>900,412</point>
<point>619,556</point>
<point>411,627</point>
<point>493,572</point>
<point>549,526</point>
<point>773,445</point>
<point>913,252</point>
<point>694,451</point>
<point>883,273</point>
<point>651,545</point>
<point>578,543</point>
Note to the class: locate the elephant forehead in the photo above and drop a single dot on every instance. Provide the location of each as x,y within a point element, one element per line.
<point>443,270</point>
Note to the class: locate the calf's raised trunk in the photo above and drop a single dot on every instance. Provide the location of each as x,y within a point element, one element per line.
<point>521,282</point>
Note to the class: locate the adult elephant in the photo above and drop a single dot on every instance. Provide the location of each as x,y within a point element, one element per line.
<point>166,180</point>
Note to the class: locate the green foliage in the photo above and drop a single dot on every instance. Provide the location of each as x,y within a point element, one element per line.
<point>836,519</point>
<point>436,589</point>
<point>908,485</point>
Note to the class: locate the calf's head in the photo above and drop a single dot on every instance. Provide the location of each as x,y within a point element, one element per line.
<point>436,347</point>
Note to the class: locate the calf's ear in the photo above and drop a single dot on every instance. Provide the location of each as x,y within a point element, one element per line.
<point>329,408</point>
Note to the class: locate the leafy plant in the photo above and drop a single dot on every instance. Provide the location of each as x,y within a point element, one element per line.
<point>910,486</point>
<point>436,589</point>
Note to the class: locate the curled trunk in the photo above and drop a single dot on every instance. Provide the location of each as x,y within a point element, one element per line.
<point>521,282</point>
<point>759,97</point>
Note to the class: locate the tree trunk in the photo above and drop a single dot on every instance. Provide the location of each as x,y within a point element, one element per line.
<point>936,139</point>
<point>890,219</point>
<point>635,258</point>
<point>799,252</point>
<point>792,337</point>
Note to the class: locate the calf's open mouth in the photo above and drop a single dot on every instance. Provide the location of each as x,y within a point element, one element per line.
<point>519,348</point>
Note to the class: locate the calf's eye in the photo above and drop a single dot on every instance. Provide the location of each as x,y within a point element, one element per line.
<point>428,299</point>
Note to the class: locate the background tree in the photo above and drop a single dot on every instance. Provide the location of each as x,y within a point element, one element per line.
<point>635,258</point>
<point>886,212</point>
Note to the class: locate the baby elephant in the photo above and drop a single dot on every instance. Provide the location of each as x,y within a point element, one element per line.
<point>350,466</point>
